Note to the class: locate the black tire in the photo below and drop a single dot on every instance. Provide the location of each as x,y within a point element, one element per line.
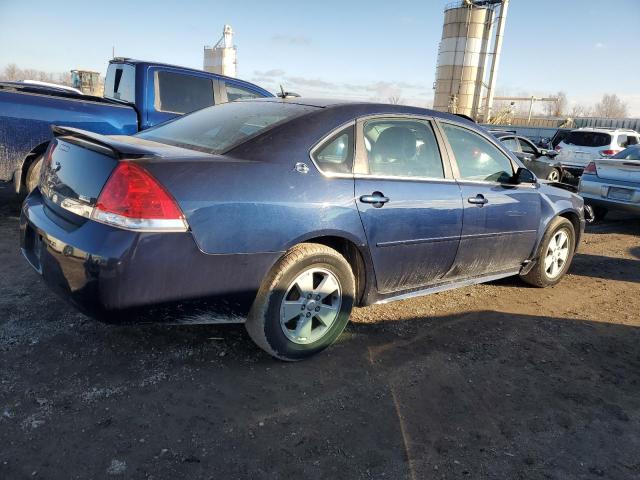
<point>263,322</point>
<point>593,213</point>
<point>554,175</point>
<point>538,275</point>
<point>32,178</point>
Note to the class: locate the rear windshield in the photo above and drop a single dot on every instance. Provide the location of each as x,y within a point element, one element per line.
<point>219,128</point>
<point>631,153</point>
<point>588,139</point>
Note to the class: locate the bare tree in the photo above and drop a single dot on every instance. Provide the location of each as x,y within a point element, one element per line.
<point>580,111</point>
<point>395,100</point>
<point>610,107</point>
<point>11,73</point>
<point>558,108</point>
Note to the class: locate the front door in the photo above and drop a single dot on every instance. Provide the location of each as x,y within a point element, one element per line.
<point>409,204</point>
<point>501,220</point>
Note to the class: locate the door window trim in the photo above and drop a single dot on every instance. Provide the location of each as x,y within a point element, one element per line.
<point>454,165</point>
<point>360,162</point>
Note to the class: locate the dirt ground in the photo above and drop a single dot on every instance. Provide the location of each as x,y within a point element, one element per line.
<point>494,381</point>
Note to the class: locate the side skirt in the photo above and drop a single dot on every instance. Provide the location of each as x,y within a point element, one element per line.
<point>441,287</point>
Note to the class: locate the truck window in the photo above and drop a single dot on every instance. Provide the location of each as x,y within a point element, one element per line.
<point>238,93</point>
<point>120,82</point>
<point>180,93</point>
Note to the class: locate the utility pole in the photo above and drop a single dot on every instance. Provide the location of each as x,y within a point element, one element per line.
<point>495,63</point>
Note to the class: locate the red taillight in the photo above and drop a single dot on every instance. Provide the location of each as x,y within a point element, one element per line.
<point>608,153</point>
<point>48,155</point>
<point>591,168</point>
<point>132,198</point>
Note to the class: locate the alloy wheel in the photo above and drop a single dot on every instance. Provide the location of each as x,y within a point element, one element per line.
<point>310,306</point>
<point>557,253</point>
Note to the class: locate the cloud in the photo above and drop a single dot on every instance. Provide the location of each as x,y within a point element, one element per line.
<point>274,72</point>
<point>599,45</point>
<point>297,40</point>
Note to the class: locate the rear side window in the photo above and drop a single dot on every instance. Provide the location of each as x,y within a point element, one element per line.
<point>402,148</point>
<point>631,153</point>
<point>477,158</point>
<point>588,139</point>
<point>120,82</point>
<point>335,155</point>
<point>222,127</point>
<point>239,93</point>
<point>179,93</point>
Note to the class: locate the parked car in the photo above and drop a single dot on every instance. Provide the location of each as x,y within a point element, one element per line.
<point>540,161</point>
<point>583,145</point>
<point>558,136</point>
<point>612,184</point>
<point>288,213</point>
<point>137,95</point>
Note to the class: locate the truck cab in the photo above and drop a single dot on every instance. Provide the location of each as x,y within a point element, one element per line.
<point>137,95</point>
<point>161,92</point>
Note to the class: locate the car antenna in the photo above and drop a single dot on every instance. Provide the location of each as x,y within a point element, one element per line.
<point>284,94</point>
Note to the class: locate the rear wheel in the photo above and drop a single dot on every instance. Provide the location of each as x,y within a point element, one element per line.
<point>554,254</point>
<point>593,213</point>
<point>554,175</point>
<point>304,303</point>
<point>33,174</point>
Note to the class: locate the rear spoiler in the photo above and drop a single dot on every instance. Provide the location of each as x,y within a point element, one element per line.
<point>101,143</point>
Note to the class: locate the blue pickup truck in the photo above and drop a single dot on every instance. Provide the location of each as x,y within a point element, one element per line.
<point>137,95</point>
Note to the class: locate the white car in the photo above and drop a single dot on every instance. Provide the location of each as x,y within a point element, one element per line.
<point>585,145</point>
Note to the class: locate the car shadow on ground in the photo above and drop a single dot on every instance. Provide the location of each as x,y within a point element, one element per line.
<point>483,394</point>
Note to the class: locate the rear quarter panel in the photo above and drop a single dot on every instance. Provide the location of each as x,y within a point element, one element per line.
<point>26,119</point>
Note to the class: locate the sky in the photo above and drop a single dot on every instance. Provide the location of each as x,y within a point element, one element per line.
<point>356,49</point>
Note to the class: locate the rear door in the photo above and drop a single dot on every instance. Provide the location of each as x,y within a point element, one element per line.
<point>409,203</point>
<point>500,219</point>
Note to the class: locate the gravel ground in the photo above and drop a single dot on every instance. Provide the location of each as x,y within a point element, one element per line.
<point>493,381</point>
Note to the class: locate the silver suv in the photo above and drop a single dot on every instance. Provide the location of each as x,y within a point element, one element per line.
<point>584,145</point>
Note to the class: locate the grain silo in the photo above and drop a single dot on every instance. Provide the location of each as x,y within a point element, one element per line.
<point>221,58</point>
<point>464,55</point>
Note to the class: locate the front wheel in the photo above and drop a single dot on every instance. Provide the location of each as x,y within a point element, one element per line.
<point>554,254</point>
<point>304,304</point>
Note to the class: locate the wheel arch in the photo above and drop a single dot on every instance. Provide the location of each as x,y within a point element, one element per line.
<point>355,255</point>
<point>20,178</point>
<point>574,218</point>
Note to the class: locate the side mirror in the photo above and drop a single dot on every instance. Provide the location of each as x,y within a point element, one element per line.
<point>524,176</point>
<point>548,153</point>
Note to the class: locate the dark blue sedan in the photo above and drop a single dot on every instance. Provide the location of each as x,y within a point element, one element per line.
<point>285,214</point>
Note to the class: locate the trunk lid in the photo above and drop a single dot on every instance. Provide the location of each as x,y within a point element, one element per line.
<point>625,170</point>
<point>78,164</point>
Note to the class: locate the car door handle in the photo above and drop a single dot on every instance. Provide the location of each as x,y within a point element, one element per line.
<point>377,199</point>
<point>478,200</point>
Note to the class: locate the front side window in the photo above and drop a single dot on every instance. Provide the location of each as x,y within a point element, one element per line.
<point>335,155</point>
<point>477,158</point>
<point>222,127</point>
<point>402,148</point>
<point>239,93</point>
<point>180,93</point>
<point>527,147</point>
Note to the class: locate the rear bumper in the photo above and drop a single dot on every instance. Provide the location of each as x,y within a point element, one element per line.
<point>119,275</point>
<point>596,191</point>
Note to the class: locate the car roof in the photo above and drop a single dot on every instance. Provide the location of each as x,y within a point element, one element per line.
<point>364,107</point>
<point>604,130</point>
